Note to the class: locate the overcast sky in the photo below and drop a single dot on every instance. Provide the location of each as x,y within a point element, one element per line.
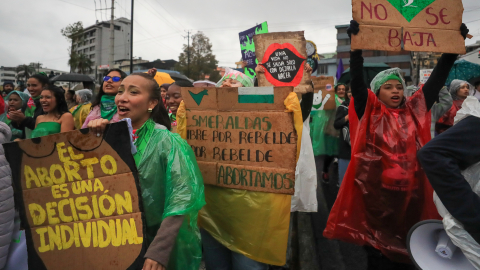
<point>30,29</point>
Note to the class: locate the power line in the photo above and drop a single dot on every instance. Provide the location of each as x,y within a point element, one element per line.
<point>106,14</point>
<point>158,3</point>
<point>160,16</point>
<point>95,2</point>
<point>297,23</point>
<point>472,21</point>
<point>75,4</point>
<point>101,14</point>
<point>471,10</point>
<point>158,42</point>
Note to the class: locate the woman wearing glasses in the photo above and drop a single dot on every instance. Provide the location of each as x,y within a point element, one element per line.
<point>104,104</point>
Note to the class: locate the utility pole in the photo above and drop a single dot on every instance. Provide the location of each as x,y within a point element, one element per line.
<point>131,41</point>
<point>188,53</point>
<point>112,38</point>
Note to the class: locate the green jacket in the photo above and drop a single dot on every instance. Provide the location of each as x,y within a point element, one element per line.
<point>172,185</point>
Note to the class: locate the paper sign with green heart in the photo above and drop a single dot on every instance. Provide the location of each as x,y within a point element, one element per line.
<point>410,8</point>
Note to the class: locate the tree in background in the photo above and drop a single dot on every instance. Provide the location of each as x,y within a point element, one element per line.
<point>78,62</point>
<point>202,60</point>
<point>84,64</point>
<point>25,71</point>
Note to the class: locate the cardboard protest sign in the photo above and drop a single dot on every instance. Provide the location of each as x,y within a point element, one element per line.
<point>248,47</point>
<point>425,75</point>
<point>421,25</point>
<point>79,200</point>
<point>242,138</point>
<point>324,90</point>
<point>283,55</point>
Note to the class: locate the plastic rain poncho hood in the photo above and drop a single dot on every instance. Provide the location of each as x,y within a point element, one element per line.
<point>456,85</point>
<point>81,111</point>
<point>85,95</point>
<point>447,119</point>
<point>384,76</point>
<point>236,75</point>
<point>16,133</point>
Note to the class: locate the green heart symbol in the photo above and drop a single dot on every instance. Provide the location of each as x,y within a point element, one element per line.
<point>410,8</point>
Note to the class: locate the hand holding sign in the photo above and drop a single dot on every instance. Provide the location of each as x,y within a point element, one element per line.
<point>416,25</point>
<point>283,56</point>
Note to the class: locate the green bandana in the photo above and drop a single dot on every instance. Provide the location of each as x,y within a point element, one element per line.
<point>76,109</point>
<point>385,79</point>
<point>141,137</point>
<point>107,107</point>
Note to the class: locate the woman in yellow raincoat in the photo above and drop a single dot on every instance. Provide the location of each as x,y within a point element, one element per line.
<point>81,111</point>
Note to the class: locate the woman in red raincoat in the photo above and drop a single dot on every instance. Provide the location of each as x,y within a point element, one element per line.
<point>459,90</point>
<point>385,192</point>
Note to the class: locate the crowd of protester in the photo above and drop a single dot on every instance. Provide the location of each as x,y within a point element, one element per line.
<point>372,135</point>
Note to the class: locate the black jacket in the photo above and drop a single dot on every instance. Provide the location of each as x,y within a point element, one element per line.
<point>443,159</point>
<point>344,148</point>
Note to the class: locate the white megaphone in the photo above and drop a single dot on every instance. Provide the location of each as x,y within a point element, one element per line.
<point>430,248</point>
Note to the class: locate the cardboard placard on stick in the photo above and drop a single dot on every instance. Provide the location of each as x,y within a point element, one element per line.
<point>283,55</point>
<point>422,25</point>
<point>248,47</point>
<point>247,141</point>
<point>79,200</point>
<point>323,88</point>
<point>323,83</point>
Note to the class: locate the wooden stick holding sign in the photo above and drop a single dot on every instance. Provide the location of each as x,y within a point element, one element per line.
<point>421,25</point>
<point>79,200</point>
<point>324,92</point>
<point>283,55</point>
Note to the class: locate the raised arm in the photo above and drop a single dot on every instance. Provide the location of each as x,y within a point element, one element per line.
<point>437,80</point>
<point>440,73</point>
<point>357,84</point>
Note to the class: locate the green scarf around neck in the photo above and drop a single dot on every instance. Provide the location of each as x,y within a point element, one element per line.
<point>76,109</point>
<point>107,107</point>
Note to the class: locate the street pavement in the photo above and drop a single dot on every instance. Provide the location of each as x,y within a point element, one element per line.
<point>352,256</point>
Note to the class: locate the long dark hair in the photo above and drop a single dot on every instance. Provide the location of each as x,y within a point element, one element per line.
<point>346,90</point>
<point>59,95</point>
<point>98,97</point>
<point>44,81</point>
<point>159,114</point>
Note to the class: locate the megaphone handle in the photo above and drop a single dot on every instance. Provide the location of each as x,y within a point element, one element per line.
<point>445,247</point>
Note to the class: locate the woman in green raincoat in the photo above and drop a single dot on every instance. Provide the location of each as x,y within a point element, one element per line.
<point>323,133</point>
<point>17,101</point>
<point>170,181</point>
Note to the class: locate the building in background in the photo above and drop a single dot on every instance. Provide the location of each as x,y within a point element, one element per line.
<point>20,78</point>
<point>96,43</point>
<point>423,61</point>
<point>7,74</point>
<point>473,53</point>
<point>140,65</point>
<point>402,59</point>
<point>327,65</point>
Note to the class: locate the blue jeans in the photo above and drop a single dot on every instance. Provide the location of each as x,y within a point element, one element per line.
<point>218,257</point>
<point>342,168</point>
